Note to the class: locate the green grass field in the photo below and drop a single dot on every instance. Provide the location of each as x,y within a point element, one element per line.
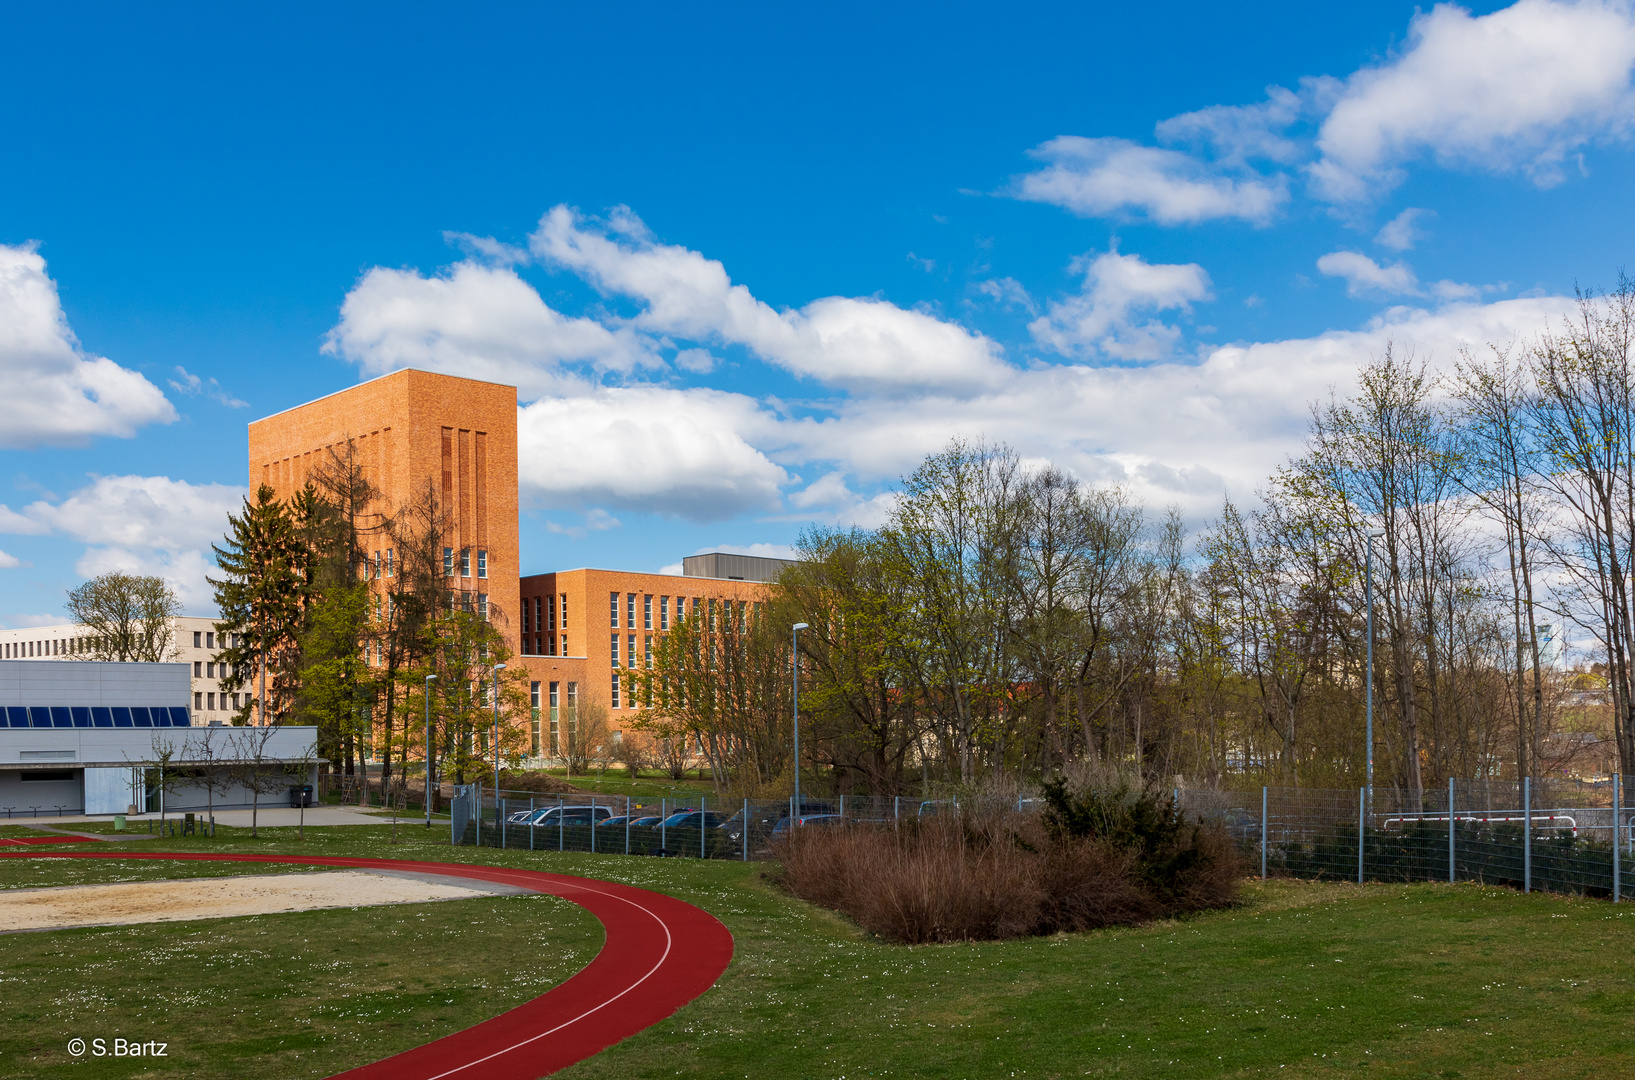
<point>1318,980</point>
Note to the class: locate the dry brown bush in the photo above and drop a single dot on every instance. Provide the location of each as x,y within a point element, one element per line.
<point>979,877</point>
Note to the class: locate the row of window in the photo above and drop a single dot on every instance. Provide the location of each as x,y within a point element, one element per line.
<point>715,611</point>
<point>465,563</point>
<point>206,701</point>
<point>96,716</point>
<point>544,645</point>
<point>540,613</point>
<point>206,639</point>
<point>206,669</point>
<point>73,646</point>
<point>630,653</point>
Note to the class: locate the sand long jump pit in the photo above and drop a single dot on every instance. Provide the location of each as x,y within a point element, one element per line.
<point>185,900</point>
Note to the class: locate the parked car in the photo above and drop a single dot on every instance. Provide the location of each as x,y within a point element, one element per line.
<point>560,816</point>
<point>782,826</point>
<point>520,817</point>
<point>650,821</point>
<point>692,819</point>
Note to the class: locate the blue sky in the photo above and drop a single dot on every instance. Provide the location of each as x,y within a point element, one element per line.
<point>748,263</point>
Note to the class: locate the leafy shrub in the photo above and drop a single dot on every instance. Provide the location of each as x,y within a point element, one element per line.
<point>1090,860</point>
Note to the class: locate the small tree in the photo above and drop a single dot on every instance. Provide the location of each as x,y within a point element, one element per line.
<point>252,763</point>
<point>632,750</point>
<point>587,736</point>
<point>126,617</point>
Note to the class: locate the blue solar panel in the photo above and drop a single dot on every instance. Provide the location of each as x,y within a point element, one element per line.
<point>102,716</point>
<point>18,715</point>
<point>40,715</point>
<point>139,713</point>
<point>82,716</point>
<point>179,717</point>
<point>61,717</point>
<point>122,716</point>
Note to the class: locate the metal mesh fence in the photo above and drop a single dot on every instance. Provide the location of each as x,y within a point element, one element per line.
<point>1559,836</point>
<point>1554,835</point>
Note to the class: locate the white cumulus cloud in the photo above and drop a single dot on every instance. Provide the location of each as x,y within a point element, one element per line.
<point>1518,89</point>
<point>857,343</point>
<point>476,321</point>
<point>1103,316</point>
<point>1363,276</point>
<point>1109,177</point>
<point>57,394</point>
<point>686,453</point>
<point>139,524</point>
<point>1403,231</point>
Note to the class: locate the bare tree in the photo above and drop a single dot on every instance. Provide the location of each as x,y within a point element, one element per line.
<point>126,617</point>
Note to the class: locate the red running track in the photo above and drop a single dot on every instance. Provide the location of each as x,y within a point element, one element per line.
<point>659,954</point>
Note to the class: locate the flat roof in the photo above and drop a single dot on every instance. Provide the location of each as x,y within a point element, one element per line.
<point>377,378</point>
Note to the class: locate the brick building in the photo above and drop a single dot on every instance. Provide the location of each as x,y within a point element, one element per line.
<point>577,632</point>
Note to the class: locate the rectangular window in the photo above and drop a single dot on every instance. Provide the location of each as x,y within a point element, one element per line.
<point>482,563</point>
<point>615,704</point>
<point>613,609</point>
<point>448,562</point>
<point>210,639</point>
<point>630,612</point>
<point>664,613</point>
<point>533,695</point>
<point>197,635</point>
<point>482,605</point>
<point>553,707</point>
<point>210,702</point>
<point>647,613</point>
<point>388,562</point>
<point>613,645</point>
<point>198,701</point>
<point>527,609</point>
<point>198,669</point>
<point>649,650</point>
<point>465,562</point>
<point>564,625</point>
<point>209,671</point>
<point>380,565</point>
<point>713,624</point>
<point>564,644</point>
<point>630,653</point>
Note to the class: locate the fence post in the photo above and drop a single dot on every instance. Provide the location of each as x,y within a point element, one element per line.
<point>745,832</point>
<point>593,824</point>
<point>561,825</point>
<point>663,813</point>
<point>479,815</point>
<point>499,815</point>
<point>703,821</point>
<point>1263,804</point>
<point>1617,871</point>
<point>627,824</point>
<point>530,823</point>
<point>1362,817</point>
<point>1450,831</point>
<point>896,810</point>
<point>1527,834</point>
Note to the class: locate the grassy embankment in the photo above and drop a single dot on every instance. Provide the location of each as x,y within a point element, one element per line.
<point>1320,980</point>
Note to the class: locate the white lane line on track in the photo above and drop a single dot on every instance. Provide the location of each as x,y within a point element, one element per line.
<point>668,943</point>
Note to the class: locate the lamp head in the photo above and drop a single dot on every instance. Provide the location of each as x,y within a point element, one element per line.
<point>499,667</point>
<point>801,626</point>
<point>1375,534</point>
<point>431,679</point>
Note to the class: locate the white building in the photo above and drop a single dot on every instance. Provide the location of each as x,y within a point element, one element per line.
<point>193,642</point>
<point>87,737</point>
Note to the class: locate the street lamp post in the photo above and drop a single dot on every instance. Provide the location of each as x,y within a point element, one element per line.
<point>794,686</point>
<point>495,690</point>
<point>1368,579</point>
<point>429,680</point>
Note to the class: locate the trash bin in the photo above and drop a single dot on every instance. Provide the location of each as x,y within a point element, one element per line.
<point>119,823</point>
<point>300,795</point>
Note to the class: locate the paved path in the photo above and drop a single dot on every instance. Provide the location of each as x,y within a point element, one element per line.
<point>660,953</point>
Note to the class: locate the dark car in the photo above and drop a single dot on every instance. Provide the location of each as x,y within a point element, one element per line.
<point>558,816</point>
<point>806,819</point>
<point>692,819</point>
<point>652,820</point>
